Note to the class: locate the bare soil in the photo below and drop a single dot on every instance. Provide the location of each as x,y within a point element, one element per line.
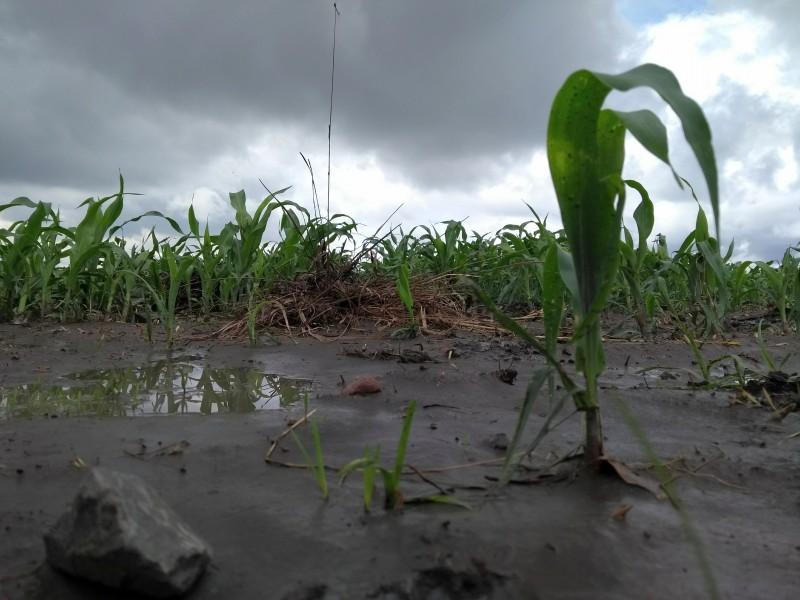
<point>736,468</point>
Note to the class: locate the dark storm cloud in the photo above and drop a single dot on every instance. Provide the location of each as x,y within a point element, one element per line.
<point>439,91</point>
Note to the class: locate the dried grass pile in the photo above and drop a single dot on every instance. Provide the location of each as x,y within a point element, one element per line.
<point>330,306</point>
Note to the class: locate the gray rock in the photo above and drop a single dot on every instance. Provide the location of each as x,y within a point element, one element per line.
<point>121,533</point>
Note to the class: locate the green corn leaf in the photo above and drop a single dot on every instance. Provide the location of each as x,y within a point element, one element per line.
<point>643,215</point>
<point>402,445</point>
<point>319,464</point>
<point>404,289</point>
<point>714,260</point>
<point>194,226</point>
<point>772,276</point>
<point>648,129</point>
<point>628,254</point>
<point>687,243</point>
<point>737,280</point>
<point>796,304</point>
<point>538,379</point>
<point>316,464</point>
<point>353,465</point>
<point>21,201</point>
<point>370,470</point>
<point>586,151</point>
<point>694,123</point>
<point>111,214</point>
<point>150,213</point>
<point>628,238</point>
<point>552,296</point>
<point>270,203</point>
<point>701,227</point>
<point>238,201</point>
<point>566,269</point>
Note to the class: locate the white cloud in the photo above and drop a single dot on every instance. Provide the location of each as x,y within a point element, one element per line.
<point>709,51</point>
<point>786,175</point>
<point>737,67</point>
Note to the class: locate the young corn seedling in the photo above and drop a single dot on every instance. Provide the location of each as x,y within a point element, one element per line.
<point>19,243</point>
<point>780,280</point>
<point>586,151</point>
<point>317,464</point>
<point>179,268</point>
<point>634,256</point>
<point>403,285</point>
<point>369,464</point>
<point>796,300</point>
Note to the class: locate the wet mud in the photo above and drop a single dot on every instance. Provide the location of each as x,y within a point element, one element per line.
<point>197,421</point>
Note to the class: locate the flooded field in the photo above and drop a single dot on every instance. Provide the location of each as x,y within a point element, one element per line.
<point>166,387</point>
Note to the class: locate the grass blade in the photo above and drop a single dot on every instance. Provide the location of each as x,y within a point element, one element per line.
<point>534,387</point>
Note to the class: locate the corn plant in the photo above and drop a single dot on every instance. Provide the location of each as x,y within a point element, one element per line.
<point>403,285</point>
<point>633,256</point>
<point>24,259</point>
<point>586,151</point>
<point>317,463</point>
<point>369,465</point>
<point>780,280</point>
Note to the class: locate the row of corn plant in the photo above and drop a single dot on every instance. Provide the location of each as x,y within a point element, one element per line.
<point>51,270</point>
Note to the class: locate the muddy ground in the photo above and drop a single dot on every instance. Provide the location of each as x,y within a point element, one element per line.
<point>737,470</point>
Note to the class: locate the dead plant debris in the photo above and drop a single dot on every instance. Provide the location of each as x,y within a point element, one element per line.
<point>326,305</point>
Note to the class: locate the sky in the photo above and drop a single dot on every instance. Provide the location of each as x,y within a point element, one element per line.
<point>440,107</point>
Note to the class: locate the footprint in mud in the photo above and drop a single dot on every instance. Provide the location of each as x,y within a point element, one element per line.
<point>443,583</point>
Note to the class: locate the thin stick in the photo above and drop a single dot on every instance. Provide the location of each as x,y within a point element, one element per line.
<point>427,480</point>
<point>277,440</point>
<point>479,463</point>
<point>330,113</point>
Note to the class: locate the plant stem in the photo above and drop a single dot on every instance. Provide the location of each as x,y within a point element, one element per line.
<point>593,447</point>
<point>592,353</point>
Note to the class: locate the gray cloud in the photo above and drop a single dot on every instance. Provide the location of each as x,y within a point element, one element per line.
<point>436,90</point>
<point>445,96</point>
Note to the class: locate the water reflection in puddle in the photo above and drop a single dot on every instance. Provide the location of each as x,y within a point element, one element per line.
<point>163,387</point>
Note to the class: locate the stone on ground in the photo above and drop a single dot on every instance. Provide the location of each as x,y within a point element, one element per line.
<point>119,532</point>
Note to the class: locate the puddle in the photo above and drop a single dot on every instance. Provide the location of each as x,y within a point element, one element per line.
<point>163,387</point>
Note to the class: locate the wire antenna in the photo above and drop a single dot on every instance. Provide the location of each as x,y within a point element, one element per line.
<point>336,14</point>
